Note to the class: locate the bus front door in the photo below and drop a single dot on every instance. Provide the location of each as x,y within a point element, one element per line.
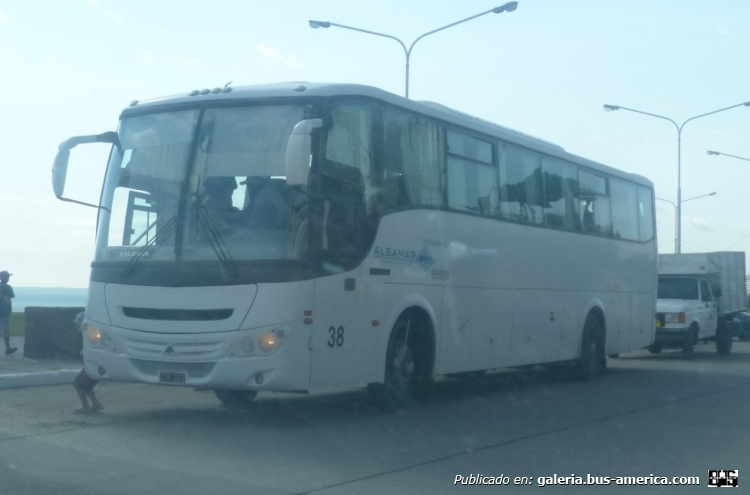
<point>341,338</point>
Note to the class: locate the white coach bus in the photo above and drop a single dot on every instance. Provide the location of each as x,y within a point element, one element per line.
<point>295,237</point>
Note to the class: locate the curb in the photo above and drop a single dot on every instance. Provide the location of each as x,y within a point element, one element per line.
<point>38,379</point>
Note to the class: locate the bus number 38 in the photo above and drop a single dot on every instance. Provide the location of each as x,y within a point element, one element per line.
<point>337,337</point>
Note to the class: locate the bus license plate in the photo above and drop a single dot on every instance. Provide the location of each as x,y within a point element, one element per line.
<point>171,377</point>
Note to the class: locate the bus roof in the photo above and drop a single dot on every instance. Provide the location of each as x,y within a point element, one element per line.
<point>326,90</point>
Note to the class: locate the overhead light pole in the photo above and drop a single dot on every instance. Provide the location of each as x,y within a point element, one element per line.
<point>679,127</point>
<point>727,154</point>
<point>508,7</point>
<point>675,213</point>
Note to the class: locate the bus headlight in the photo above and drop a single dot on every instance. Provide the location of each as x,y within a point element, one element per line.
<point>674,318</point>
<point>269,341</point>
<point>96,337</point>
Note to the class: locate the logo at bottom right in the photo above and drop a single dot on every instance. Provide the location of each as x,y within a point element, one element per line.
<point>725,478</point>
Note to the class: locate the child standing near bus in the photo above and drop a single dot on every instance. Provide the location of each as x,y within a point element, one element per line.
<point>84,384</point>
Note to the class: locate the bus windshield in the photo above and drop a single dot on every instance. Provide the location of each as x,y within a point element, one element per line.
<point>220,187</point>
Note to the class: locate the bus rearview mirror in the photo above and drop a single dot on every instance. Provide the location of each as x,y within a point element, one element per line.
<point>60,165</point>
<point>298,150</point>
<point>60,171</point>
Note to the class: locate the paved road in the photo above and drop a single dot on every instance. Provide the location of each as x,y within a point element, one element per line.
<point>650,414</point>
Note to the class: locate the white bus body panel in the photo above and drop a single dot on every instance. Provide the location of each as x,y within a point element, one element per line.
<point>512,294</point>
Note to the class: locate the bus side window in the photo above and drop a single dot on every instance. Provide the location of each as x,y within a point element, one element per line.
<point>645,214</point>
<point>587,215</point>
<point>596,212</point>
<point>341,186</point>
<point>561,196</point>
<point>345,182</point>
<point>472,175</point>
<point>521,189</point>
<point>412,161</point>
<point>624,209</point>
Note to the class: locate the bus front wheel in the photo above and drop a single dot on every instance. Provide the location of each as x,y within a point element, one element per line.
<point>592,360</point>
<point>236,398</point>
<point>407,367</point>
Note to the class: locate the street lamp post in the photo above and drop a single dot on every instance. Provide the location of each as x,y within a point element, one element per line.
<point>679,128</point>
<point>675,214</point>
<point>727,154</point>
<point>508,7</point>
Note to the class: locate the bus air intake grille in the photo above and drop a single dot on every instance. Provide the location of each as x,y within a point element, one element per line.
<point>177,314</point>
<point>193,370</point>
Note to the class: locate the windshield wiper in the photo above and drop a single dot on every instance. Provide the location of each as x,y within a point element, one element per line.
<point>159,239</point>
<point>226,263</point>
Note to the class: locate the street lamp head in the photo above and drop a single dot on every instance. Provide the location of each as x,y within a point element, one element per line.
<point>508,7</point>
<point>712,194</point>
<point>611,108</point>
<point>747,103</point>
<point>712,152</point>
<point>319,24</point>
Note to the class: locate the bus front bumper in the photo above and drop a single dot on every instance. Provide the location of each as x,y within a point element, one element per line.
<point>222,367</point>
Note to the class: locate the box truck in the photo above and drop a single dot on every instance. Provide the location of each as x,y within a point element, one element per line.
<point>699,297</point>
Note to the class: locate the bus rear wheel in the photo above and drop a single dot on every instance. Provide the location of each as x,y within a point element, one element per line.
<point>592,360</point>
<point>236,398</point>
<point>407,367</point>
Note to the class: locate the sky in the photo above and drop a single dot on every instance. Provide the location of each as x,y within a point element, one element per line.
<point>69,67</point>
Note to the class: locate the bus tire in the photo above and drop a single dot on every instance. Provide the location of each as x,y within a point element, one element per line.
<point>688,345</point>
<point>408,365</point>
<point>236,398</point>
<point>592,360</point>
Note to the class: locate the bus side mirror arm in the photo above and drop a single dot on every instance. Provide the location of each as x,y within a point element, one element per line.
<point>60,165</point>
<point>298,151</point>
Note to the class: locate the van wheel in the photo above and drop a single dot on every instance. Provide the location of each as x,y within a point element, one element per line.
<point>655,348</point>
<point>236,398</point>
<point>592,361</point>
<point>723,342</point>
<point>407,367</point>
<point>688,345</point>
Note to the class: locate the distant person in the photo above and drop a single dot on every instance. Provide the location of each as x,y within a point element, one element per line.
<point>6,308</point>
<point>84,384</point>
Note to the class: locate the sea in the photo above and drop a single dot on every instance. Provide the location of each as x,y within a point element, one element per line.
<point>48,296</point>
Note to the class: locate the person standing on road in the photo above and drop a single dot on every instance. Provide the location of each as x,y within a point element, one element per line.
<point>84,384</point>
<point>6,308</point>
